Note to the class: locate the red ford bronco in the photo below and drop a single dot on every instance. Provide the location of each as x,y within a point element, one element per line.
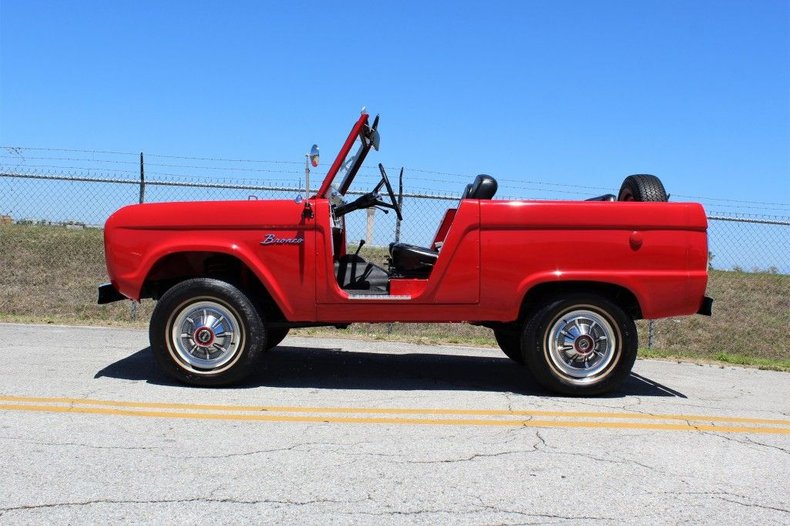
<point>560,283</point>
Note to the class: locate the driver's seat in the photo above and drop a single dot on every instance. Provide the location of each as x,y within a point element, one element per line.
<point>412,261</point>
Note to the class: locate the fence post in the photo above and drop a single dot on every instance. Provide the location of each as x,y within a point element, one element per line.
<point>133,312</point>
<point>371,222</point>
<point>142,179</point>
<point>650,334</point>
<point>400,206</point>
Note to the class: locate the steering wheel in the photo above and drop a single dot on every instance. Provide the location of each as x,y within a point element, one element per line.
<point>386,182</point>
<point>371,199</point>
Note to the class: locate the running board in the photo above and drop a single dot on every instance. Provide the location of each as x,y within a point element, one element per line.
<point>378,297</point>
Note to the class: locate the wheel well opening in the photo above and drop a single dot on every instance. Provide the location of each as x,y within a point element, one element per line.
<point>539,294</point>
<point>175,268</point>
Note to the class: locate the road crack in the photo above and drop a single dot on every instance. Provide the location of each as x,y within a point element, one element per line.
<point>209,500</point>
<point>752,504</point>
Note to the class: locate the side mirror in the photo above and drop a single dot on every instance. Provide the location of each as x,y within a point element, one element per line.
<point>375,139</point>
<point>314,156</point>
<point>309,159</point>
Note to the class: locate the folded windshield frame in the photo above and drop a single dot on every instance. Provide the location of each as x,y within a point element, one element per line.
<point>347,165</point>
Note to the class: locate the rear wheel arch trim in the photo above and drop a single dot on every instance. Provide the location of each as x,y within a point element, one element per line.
<point>621,295</point>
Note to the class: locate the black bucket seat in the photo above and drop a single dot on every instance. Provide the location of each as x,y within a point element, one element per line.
<point>413,261</point>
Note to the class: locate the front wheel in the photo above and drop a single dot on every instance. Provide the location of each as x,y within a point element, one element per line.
<point>580,344</point>
<point>206,332</point>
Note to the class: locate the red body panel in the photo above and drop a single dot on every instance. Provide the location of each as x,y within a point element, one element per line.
<point>658,251</point>
<point>493,253</point>
<point>138,236</point>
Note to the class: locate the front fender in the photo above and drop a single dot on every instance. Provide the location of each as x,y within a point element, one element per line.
<point>131,284</point>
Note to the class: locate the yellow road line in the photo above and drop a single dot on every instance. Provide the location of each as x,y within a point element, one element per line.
<point>268,417</point>
<point>392,411</point>
<point>397,421</point>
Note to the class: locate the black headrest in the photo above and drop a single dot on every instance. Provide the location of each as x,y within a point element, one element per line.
<point>484,187</point>
<point>466,191</point>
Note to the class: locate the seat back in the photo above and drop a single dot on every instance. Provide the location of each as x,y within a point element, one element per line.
<point>483,187</point>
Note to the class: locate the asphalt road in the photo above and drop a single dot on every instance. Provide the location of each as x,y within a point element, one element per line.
<point>354,432</point>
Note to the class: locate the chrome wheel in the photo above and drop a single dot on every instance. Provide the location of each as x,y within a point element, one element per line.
<point>581,344</point>
<point>206,336</point>
<point>206,332</point>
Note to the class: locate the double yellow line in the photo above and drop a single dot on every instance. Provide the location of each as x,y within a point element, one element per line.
<point>400,416</point>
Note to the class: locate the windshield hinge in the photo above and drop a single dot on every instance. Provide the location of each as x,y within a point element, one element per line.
<point>307,213</point>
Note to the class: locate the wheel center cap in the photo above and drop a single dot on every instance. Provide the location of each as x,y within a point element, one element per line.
<point>584,345</point>
<point>204,337</point>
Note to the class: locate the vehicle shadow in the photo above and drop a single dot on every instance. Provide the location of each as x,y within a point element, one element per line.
<point>332,368</point>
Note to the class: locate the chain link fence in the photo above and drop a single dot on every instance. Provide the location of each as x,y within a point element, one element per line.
<point>54,203</point>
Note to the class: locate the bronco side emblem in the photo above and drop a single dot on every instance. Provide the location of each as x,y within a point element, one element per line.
<point>272,239</point>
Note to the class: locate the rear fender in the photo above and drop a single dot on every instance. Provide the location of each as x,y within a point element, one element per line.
<point>657,294</point>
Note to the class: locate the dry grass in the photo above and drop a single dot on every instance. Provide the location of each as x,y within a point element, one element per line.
<point>50,274</point>
<point>751,313</point>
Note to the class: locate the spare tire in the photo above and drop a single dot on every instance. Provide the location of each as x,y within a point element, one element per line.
<point>642,187</point>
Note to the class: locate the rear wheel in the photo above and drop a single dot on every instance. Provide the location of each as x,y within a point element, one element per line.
<point>580,344</point>
<point>509,340</point>
<point>642,187</point>
<point>206,332</point>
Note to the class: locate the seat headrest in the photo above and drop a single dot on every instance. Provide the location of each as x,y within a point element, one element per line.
<point>484,187</point>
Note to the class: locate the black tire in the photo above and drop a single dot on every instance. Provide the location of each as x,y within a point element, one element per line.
<point>599,345</point>
<point>275,336</point>
<point>509,340</point>
<point>206,316</point>
<point>642,187</point>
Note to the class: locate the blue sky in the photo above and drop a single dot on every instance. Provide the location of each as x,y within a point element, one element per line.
<point>562,92</point>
